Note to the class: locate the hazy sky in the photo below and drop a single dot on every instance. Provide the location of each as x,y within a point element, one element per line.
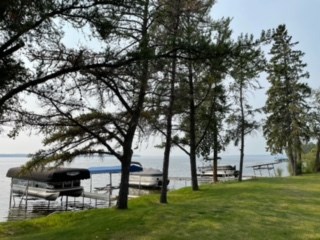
<point>249,16</point>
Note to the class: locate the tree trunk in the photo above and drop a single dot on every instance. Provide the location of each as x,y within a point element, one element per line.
<point>215,143</point>
<point>291,158</point>
<point>295,159</point>
<point>215,165</point>
<point>317,164</point>
<point>241,159</point>
<point>135,115</point>
<point>193,159</point>
<point>165,168</point>
<point>122,202</point>
<point>298,163</point>
<point>241,135</point>
<point>166,157</point>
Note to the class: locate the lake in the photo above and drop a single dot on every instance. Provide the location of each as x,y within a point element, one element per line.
<point>179,167</point>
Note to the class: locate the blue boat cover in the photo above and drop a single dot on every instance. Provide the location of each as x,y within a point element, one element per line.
<point>112,169</point>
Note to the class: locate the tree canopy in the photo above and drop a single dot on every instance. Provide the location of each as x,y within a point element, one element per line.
<point>286,106</point>
<point>160,67</point>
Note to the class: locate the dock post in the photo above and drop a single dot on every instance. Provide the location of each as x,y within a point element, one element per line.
<point>10,201</point>
<point>90,188</point>
<point>66,202</point>
<point>90,183</point>
<point>139,185</point>
<point>26,202</point>
<point>110,180</point>
<point>82,200</point>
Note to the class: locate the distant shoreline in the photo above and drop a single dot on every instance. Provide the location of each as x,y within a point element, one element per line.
<point>14,155</point>
<point>10,155</point>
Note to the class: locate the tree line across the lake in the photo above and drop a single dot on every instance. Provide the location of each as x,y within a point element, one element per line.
<point>149,67</point>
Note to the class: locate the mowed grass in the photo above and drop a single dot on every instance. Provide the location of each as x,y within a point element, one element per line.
<point>273,208</point>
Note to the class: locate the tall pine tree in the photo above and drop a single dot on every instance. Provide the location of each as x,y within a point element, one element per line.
<point>286,106</point>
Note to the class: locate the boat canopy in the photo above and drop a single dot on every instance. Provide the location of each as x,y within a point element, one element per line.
<point>113,169</point>
<point>50,174</point>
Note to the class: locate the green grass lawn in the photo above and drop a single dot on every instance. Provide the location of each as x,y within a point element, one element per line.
<point>273,208</point>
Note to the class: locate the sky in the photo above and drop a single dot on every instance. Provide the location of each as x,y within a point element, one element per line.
<point>249,16</point>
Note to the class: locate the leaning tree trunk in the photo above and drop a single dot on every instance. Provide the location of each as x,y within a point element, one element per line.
<point>135,114</point>
<point>122,202</point>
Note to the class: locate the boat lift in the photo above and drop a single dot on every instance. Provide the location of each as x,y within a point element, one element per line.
<point>30,190</point>
<point>264,166</point>
<point>94,193</point>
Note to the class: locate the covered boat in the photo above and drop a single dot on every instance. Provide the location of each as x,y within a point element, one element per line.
<point>134,167</point>
<point>147,178</point>
<point>222,171</point>
<point>48,183</point>
<point>139,176</point>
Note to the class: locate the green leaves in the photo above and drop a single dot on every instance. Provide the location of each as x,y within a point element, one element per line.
<point>286,106</point>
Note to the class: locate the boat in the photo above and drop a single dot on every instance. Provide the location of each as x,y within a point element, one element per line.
<point>47,183</point>
<point>222,171</point>
<point>147,178</point>
<point>139,176</point>
<point>134,167</point>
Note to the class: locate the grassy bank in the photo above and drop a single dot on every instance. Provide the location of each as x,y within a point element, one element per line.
<point>275,208</point>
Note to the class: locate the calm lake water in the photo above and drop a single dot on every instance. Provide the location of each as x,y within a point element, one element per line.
<point>179,167</point>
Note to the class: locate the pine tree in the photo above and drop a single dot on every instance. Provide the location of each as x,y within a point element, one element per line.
<point>314,125</point>
<point>285,127</point>
<point>79,120</point>
<point>248,63</point>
